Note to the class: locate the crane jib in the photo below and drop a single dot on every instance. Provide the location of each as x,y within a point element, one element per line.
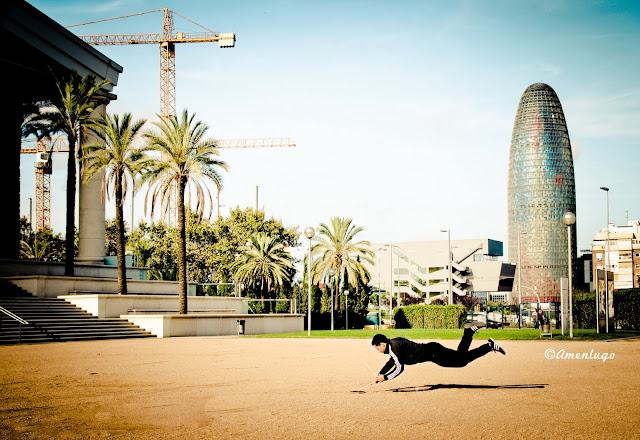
<point>203,37</point>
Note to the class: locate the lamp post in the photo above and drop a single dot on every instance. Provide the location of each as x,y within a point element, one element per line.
<point>379,290</point>
<point>391,246</point>
<point>519,281</point>
<point>536,294</point>
<point>346,310</point>
<point>606,269</point>
<point>448,231</point>
<point>569,220</point>
<point>390,281</point>
<point>331,273</point>
<point>309,233</point>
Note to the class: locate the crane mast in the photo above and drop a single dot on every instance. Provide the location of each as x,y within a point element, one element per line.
<point>166,42</point>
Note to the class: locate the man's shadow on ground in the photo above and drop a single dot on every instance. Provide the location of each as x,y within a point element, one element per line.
<point>458,386</point>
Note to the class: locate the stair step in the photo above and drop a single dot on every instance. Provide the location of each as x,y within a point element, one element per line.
<point>17,341</point>
<point>8,289</point>
<point>54,319</point>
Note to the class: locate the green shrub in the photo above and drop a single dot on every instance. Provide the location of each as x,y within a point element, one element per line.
<point>428,316</point>
<point>626,305</point>
<point>584,310</point>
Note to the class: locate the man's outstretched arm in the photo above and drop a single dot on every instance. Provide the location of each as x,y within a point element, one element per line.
<point>391,369</point>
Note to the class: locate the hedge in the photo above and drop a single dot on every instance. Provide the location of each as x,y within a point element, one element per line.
<point>426,316</point>
<point>626,305</point>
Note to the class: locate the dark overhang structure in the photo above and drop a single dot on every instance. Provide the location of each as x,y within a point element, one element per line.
<point>33,45</point>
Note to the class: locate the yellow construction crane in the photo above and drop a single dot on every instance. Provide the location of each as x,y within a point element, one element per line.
<point>167,41</point>
<point>44,148</point>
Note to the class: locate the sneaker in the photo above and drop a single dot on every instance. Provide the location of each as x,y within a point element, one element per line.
<point>474,326</point>
<point>495,346</point>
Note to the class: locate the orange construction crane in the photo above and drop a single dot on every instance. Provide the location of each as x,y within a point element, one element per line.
<point>167,41</point>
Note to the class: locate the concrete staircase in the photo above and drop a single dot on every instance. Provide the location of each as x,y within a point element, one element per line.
<point>55,320</point>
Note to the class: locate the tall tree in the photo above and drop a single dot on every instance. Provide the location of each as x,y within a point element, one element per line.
<point>40,245</point>
<point>264,262</point>
<point>76,99</point>
<point>336,248</point>
<point>186,158</point>
<point>235,231</point>
<point>115,154</point>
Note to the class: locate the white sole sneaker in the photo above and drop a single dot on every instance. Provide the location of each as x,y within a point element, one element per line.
<point>495,346</point>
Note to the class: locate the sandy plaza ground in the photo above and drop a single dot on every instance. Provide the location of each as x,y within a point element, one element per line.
<point>250,388</point>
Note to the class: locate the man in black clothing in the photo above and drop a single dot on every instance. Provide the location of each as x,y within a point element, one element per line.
<point>405,352</point>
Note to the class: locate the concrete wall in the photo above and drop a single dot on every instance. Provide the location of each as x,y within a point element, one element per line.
<point>113,306</point>
<point>25,267</point>
<point>54,286</point>
<point>165,326</point>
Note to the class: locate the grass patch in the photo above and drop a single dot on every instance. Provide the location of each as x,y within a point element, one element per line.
<point>483,334</point>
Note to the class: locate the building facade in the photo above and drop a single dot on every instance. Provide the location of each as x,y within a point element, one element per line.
<point>583,279</point>
<point>619,250</point>
<point>541,189</point>
<point>34,47</point>
<point>421,269</point>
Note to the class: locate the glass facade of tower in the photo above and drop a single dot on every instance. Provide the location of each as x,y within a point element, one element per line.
<point>541,189</point>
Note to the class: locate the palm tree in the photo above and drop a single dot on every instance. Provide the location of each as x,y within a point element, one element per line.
<point>116,155</point>
<point>264,263</point>
<point>72,106</point>
<point>336,249</point>
<point>39,250</point>
<point>186,157</point>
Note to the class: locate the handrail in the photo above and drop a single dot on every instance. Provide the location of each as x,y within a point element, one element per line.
<point>13,316</point>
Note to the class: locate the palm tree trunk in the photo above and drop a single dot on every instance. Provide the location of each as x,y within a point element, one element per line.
<point>336,295</point>
<point>71,208</point>
<point>182,248</point>
<point>122,267</point>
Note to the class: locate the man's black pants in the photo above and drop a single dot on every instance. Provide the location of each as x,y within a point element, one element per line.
<point>446,357</point>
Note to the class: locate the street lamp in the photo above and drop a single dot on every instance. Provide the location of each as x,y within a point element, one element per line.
<point>346,310</point>
<point>606,269</point>
<point>309,233</point>
<point>569,219</point>
<point>448,231</point>
<point>519,279</point>
<point>331,273</point>
<point>380,250</point>
<point>537,308</point>
<point>391,246</point>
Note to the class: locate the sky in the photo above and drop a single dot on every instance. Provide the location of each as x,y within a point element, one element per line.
<point>401,112</point>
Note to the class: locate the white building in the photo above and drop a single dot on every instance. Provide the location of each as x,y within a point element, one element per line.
<point>620,251</point>
<point>421,269</point>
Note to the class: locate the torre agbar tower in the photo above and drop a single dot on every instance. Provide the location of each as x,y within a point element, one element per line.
<point>541,190</point>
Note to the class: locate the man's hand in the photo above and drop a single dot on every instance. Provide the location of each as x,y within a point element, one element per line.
<point>380,378</point>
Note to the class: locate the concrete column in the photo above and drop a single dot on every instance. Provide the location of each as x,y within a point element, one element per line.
<point>10,121</point>
<point>91,216</point>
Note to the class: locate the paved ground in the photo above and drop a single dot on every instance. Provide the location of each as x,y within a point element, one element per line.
<point>192,388</point>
